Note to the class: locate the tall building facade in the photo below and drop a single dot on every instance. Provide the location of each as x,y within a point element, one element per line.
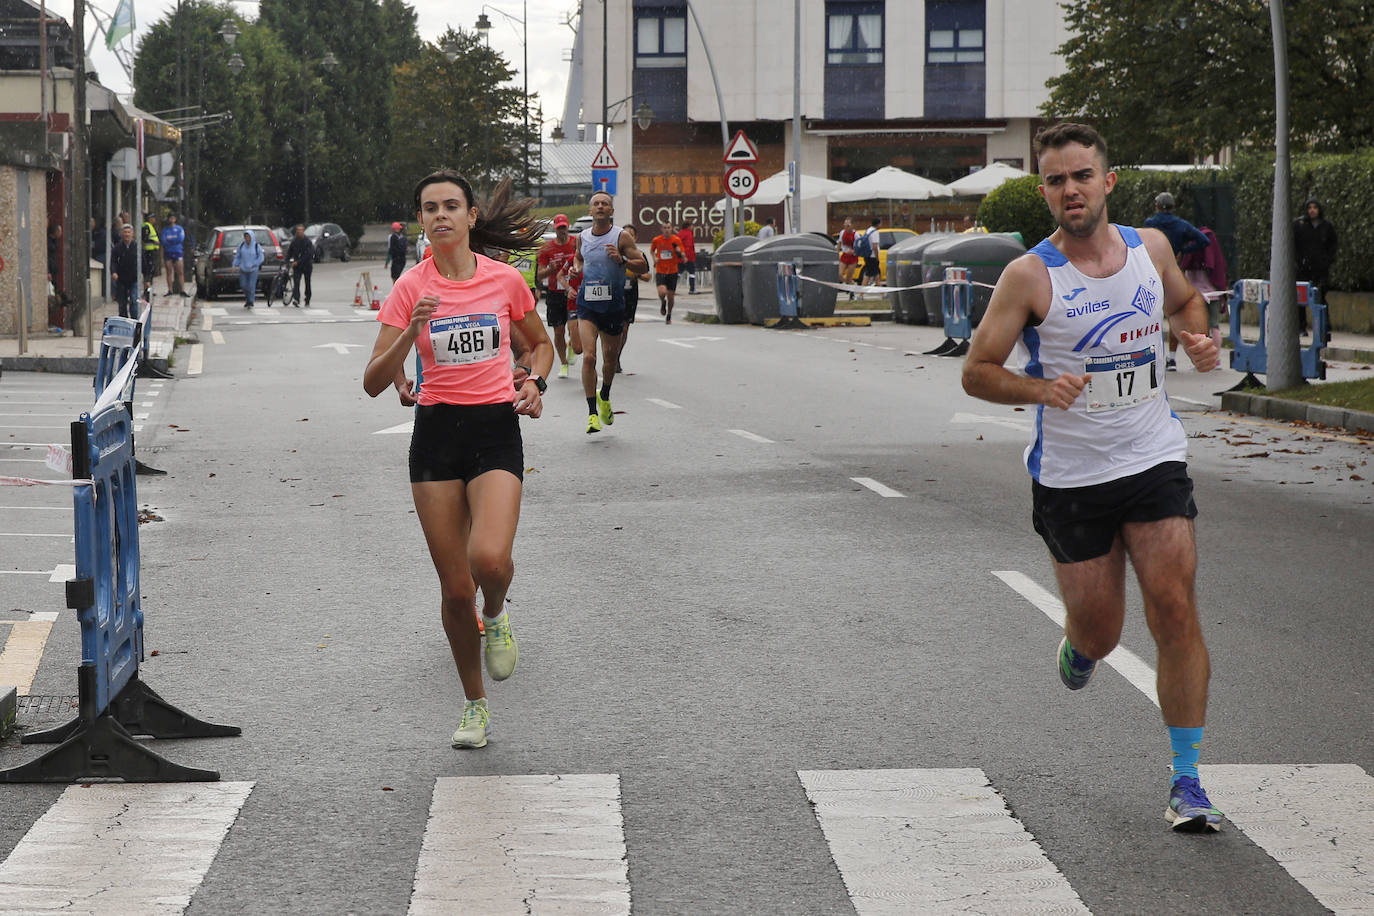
<point>935,87</point>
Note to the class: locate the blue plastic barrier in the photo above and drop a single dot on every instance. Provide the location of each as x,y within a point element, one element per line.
<point>956,300</point>
<point>114,705</point>
<point>789,295</point>
<point>1251,357</point>
<point>117,342</point>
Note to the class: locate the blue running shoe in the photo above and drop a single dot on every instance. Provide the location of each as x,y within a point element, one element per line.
<point>1190,811</point>
<point>1074,670</point>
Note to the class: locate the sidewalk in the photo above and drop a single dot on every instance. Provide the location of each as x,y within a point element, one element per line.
<point>75,355</point>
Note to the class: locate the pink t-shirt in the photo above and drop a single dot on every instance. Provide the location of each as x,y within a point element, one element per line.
<point>465,352</point>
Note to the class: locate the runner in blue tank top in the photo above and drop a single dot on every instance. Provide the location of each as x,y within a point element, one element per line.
<point>1109,479</point>
<point>603,253</point>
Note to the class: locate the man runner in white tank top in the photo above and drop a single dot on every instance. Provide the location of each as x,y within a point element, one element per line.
<point>1107,455</point>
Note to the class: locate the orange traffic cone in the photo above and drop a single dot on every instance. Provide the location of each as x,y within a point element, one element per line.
<point>358,293</point>
<point>376,299</point>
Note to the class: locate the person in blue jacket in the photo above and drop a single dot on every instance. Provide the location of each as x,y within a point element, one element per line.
<point>1184,238</point>
<point>173,238</point>
<point>247,261</point>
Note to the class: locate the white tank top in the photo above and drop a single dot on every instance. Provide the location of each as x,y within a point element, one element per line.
<point>1109,328</point>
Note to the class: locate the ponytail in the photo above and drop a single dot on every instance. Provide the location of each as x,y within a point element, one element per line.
<point>502,223</point>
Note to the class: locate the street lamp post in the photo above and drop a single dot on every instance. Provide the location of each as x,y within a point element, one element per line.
<point>484,26</point>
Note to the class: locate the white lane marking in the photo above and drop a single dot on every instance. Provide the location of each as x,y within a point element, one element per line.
<point>112,848</point>
<point>24,650</point>
<point>218,311</point>
<point>318,313</point>
<point>1126,662</point>
<point>34,416</point>
<point>520,844</point>
<point>207,323</point>
<point>662,403</point>
<point>677,343</point>
<point>746,434</point>
<point>25,460</point>
<point>337,347</point>
<point>1317,821</point>
<point>61,573</point>
<point>140,416</point>
<point>1008,422</point>
<point>146,403</point>
<point>1175,397</point>
<point>196,364</point>
<point>935,841</point>
<point>26,534</point>
<point>395,430</point>
<point>217,337</point>
<point>880,489</point>
<point>16,426</point>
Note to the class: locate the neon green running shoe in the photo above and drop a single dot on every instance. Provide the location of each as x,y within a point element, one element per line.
<point>563,370</point>
<point>593,423</point>
<point>1074,670</point>
<point>572,355</point>
<point>603,407</point>
<point>502,651</point>
<point>472,728</point>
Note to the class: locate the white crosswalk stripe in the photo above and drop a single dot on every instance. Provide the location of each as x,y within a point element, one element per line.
<point>927,841</point>
<point>114,848</point>
<point>933,842</point>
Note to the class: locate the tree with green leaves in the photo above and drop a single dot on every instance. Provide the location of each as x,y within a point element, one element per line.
<point>1175,80</point>
<point>461,114</point>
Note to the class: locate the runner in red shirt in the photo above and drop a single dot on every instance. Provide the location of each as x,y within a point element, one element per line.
<point>687,235</point>
<point>555,261</point>
<point>849,261</point>
<point>665,254</point>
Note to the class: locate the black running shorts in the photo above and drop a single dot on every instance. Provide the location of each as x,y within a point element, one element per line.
<point>668,281</point>
<point>1080,523</point>
<point>453,442</point>
<point>556,307</point>
<point>631,300</point>
<point>611,323</point>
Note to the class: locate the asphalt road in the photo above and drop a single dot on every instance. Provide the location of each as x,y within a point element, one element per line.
<point>713,597</point>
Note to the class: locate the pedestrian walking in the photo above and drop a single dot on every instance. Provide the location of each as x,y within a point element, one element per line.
<point>1314,244</point>
<point>396,246</point>
<point>173,240</point>
<point>603,252</point>
<point>458,309</point>
<point>248,258</point>
<point>124,271</point>
<point>1108,458</point>
<point>300,257</point>
<point>152,257</point>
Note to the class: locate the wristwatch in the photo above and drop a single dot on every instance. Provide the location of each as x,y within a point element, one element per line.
<point>540,383</point>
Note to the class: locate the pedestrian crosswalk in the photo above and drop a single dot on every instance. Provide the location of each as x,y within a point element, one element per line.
<point>927,841</point>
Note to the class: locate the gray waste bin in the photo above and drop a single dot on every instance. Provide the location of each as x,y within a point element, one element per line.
<point>985,254</point>
<point>904,269</point>
<point>727,278</point>
<point>819,260</point>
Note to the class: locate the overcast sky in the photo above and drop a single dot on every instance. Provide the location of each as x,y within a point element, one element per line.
<point>549,40</point>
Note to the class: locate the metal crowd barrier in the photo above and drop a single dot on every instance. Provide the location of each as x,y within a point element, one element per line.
<point>113,704</point>
<point>1251,357</point>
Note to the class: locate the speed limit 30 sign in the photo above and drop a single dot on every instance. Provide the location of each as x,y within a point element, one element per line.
<point>741,181</point>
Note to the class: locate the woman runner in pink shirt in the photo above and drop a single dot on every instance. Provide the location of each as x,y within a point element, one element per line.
<point>458,310</point>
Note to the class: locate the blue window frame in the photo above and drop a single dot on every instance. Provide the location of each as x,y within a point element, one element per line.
<point>954,32</point>
<point>660,38</point>
<point>854,34</point>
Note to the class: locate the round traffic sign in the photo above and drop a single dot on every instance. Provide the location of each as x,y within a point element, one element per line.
<point>741,181</point>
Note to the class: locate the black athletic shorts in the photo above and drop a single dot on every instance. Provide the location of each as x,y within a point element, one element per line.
<point>556,307</point>
<point>631,300</point>
<point>666,280</point>
<point>1080,523</point>
<point>611,323</point>
<point>453,442</point>
<point>871,267</point>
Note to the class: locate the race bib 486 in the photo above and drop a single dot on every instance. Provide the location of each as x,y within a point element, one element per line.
<point>464,339</point>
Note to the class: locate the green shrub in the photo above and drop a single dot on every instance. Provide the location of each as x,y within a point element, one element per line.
<point>1017,206</point>
<point>750,228</point>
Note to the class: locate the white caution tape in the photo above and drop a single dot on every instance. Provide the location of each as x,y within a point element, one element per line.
<point>879,291</point>
<point>35,482</point>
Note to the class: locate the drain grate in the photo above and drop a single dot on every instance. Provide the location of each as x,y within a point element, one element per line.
<point>41,707</point>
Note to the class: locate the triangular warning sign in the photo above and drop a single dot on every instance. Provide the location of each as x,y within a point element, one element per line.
<point>742,149</point>
<point>605,159</point>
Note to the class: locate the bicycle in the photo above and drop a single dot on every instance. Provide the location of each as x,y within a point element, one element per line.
<point>283,288</point>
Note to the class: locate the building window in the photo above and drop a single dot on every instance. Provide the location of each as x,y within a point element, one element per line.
<point>854,34</point>
<point>660,39</point>
<point>954,33</point>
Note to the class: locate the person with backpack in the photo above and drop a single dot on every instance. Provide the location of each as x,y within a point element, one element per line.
<point>866,248</point>
<point>247,261</point>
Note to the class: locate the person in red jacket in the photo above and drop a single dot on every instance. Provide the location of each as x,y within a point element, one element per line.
<point>687,235</point>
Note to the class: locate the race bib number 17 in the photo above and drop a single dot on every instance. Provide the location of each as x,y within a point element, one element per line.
<point>464,339</point>
<point>1121,380</point>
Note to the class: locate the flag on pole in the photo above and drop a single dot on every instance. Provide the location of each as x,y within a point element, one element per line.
<point>121,24</point>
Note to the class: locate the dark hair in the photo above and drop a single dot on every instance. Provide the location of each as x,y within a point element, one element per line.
<point>501,222</point>
<point>1065,132</point>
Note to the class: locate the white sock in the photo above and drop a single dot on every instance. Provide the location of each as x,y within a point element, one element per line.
<point>493,619</point>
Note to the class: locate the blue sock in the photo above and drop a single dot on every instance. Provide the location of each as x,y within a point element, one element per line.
<point>1187,745</point>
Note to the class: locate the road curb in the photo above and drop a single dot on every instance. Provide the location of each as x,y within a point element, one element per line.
<point>1259,405</point>
<point>9,708</point>
<point>65,365</point>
